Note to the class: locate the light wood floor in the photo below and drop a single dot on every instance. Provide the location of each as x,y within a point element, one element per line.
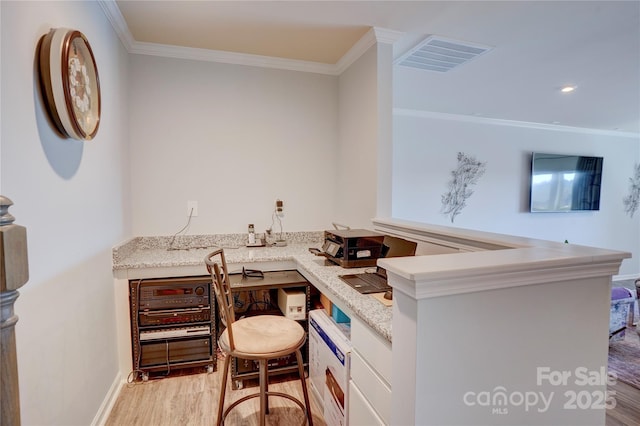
<point>193,400</point>
<point>627,410</point>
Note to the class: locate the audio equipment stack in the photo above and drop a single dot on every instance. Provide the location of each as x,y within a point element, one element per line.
<point>173,324</point>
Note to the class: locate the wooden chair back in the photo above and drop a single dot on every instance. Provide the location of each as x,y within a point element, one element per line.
<point>217,267</point>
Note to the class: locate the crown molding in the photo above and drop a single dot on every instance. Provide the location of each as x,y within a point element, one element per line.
<point>386,36</point>
<point>371,37</point>
<point>113,14</point>
<point>407,112</point>
<point>207,55</point>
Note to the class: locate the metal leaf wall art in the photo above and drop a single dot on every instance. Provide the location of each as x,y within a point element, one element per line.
<point>463,178</point>
<point>632,201</point>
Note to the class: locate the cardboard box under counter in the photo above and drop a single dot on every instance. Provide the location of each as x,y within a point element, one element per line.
<point>326,304</point>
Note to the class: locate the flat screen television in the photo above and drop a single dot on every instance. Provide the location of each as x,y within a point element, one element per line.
<point>565,183</point>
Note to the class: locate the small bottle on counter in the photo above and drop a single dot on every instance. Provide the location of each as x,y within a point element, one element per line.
<point>252,235</point>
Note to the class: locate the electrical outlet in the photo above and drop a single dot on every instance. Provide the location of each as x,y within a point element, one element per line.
<point>280,208</point>
<point>192,208</point>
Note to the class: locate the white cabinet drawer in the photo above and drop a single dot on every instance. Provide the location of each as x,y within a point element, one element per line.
<point>375,349</point>
<point>372,386</point>
<point>360,411</point>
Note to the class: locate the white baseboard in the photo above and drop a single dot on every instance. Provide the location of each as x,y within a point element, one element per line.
<point>625,277</point>
<point>109,401</point>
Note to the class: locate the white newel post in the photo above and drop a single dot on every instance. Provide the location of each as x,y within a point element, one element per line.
<point>14,273</point>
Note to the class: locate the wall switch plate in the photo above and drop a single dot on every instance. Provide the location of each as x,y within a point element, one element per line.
<point>192,205</point>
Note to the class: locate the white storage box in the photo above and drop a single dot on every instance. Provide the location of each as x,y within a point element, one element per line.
<point>329,364</point>
<point>292,303</point>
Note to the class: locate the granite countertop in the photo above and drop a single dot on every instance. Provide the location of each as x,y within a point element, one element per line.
<point>186,257</point>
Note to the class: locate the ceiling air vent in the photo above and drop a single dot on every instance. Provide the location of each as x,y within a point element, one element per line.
<point>441,54</point>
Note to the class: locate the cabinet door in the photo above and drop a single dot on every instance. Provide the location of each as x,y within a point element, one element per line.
<point>361,413</point>
<point>372,387</point>
<point>373,348</point>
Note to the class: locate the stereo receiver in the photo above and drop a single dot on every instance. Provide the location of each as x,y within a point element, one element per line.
<point>174,316</point>
<point>174,294</point>
<point>173,333</point>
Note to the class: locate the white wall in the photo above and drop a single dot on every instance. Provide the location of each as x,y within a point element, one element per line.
<point>233,138</point>
<point>384,91</point>
<point>363,188</point>
<point>425,149</point>
<point>73,199</point>
<point>356,187</point>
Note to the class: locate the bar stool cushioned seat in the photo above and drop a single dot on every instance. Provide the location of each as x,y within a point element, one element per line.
<point>258,338</point>
<point>261,335</point>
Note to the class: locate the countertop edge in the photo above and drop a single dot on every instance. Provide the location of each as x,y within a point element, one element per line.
<point>187,262</point>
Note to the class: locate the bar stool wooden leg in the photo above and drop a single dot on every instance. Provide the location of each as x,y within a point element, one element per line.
<point>266,384</point>
<point>223,389</point>
<point>263,391</point>
<point>303,382</point>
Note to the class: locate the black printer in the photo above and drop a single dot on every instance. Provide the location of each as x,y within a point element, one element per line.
<point>352,248</point>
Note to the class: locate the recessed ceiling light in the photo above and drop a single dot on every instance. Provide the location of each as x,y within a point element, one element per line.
<point>567,89</point>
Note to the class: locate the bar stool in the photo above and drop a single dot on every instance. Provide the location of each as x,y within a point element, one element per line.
<point>259,338</point>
